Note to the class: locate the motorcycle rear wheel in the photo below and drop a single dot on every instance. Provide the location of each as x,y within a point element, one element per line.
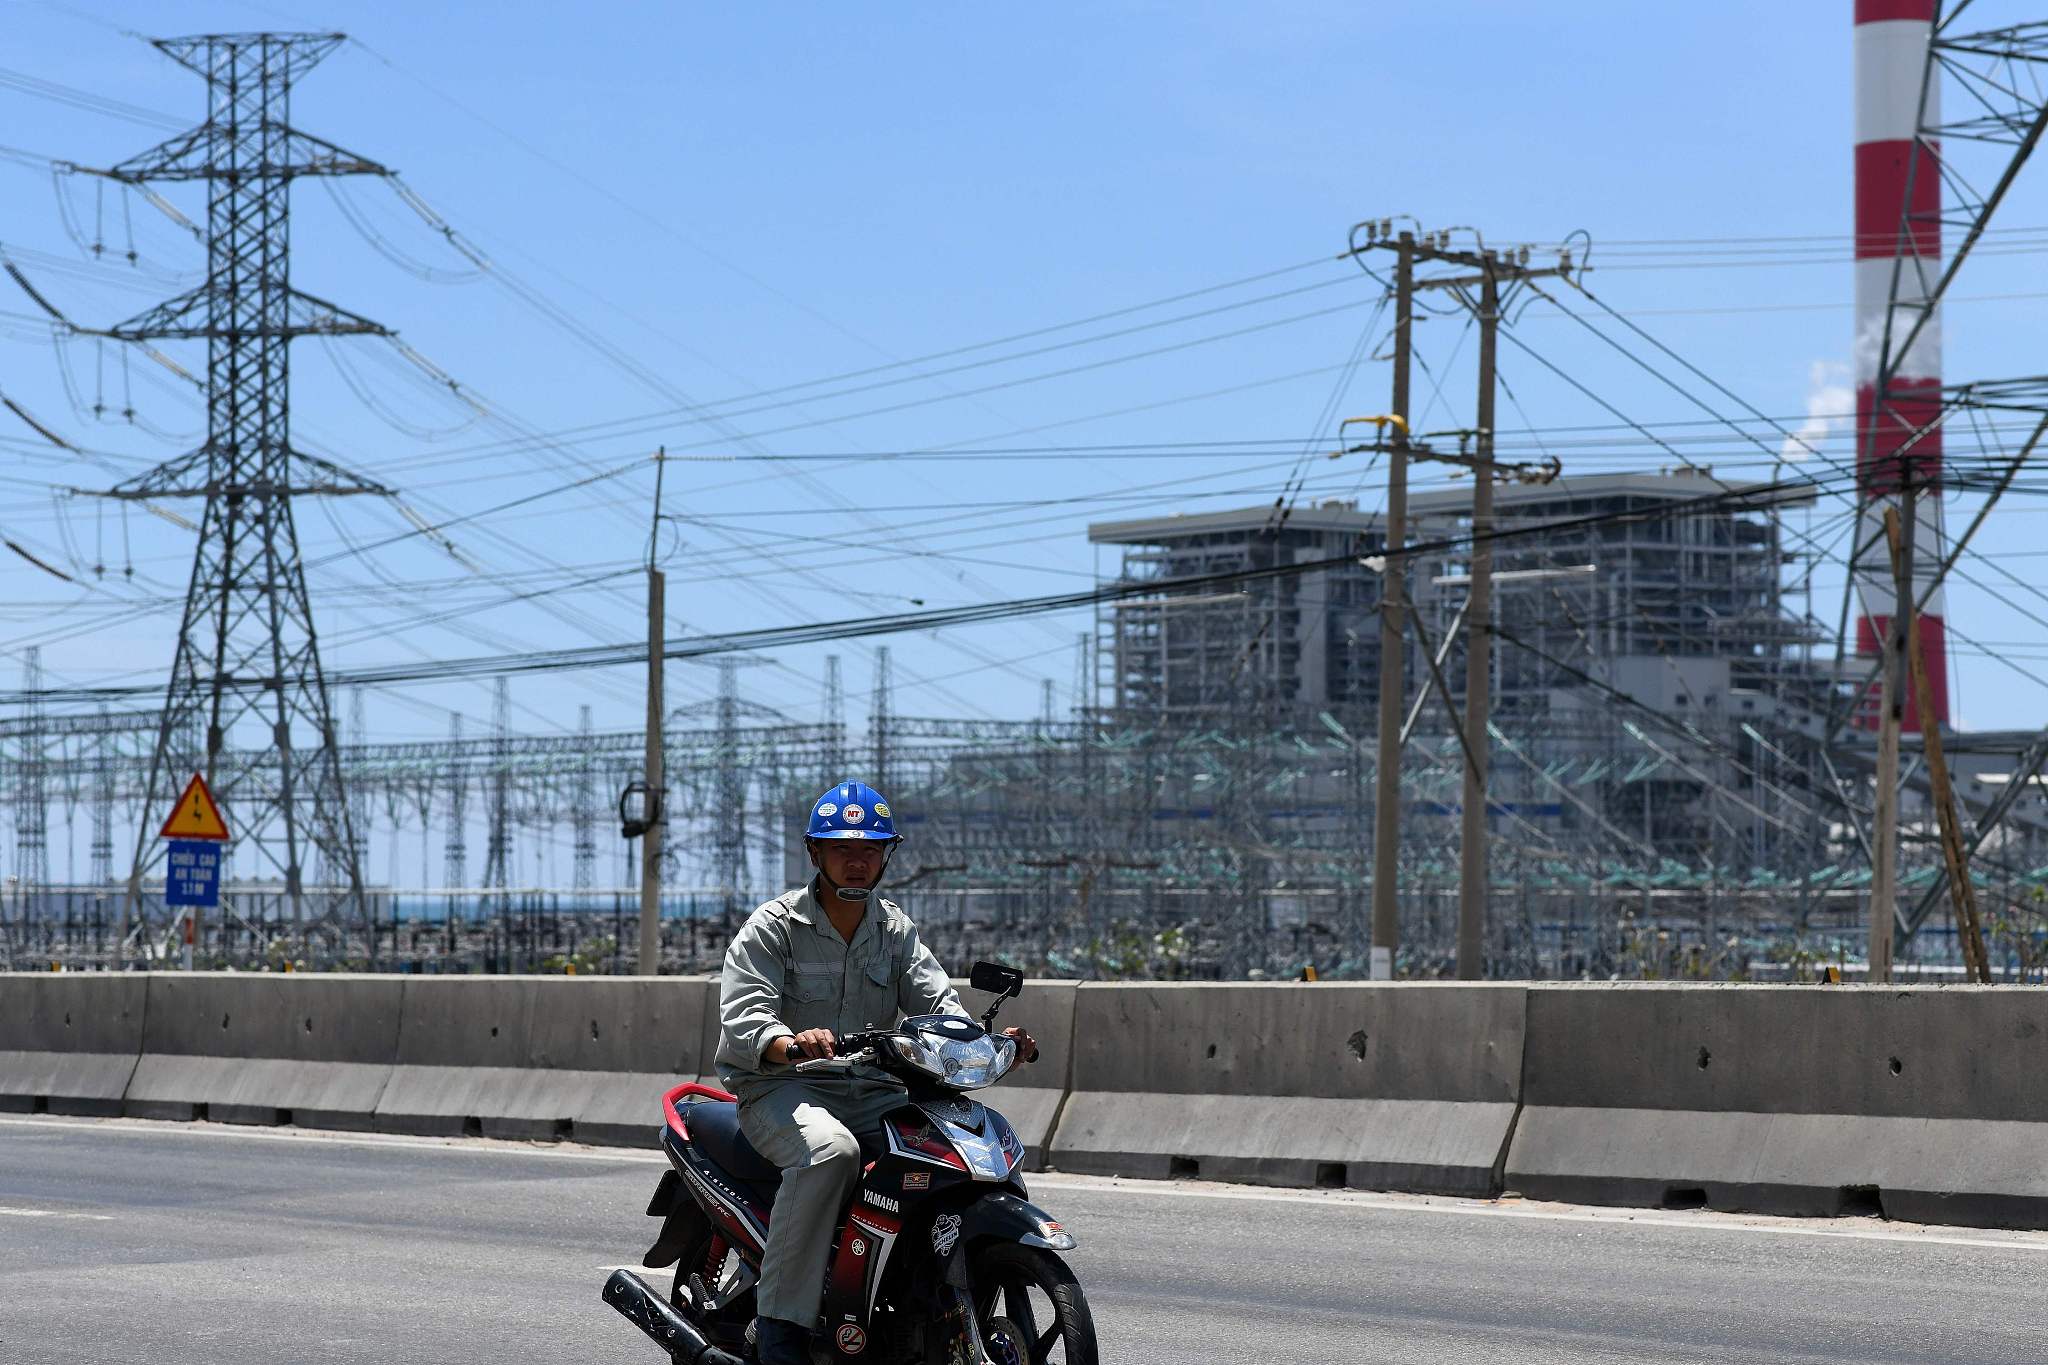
<point>1035,1291</point>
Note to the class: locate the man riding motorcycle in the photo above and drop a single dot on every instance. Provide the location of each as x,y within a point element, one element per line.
<point>817,962</point>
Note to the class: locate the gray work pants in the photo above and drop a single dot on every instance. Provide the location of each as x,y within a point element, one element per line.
<point>809,1126</point>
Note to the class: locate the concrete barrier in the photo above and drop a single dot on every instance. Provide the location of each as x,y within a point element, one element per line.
<point>1372,1087</point>
<point>586,1058</point>
<point>68,1041</point>
<point>1918,1103</point>
<point>261,1048</point>
<point>1922,1103</point>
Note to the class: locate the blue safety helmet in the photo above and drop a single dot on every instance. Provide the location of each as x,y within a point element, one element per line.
<point>852,810</point>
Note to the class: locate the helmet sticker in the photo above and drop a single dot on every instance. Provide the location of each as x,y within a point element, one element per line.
<point>854,815</point>
<point>827,811</point>
<point>882,810</point>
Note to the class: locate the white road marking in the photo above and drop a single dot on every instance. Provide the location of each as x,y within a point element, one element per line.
<point>474,1146</point>
<point>55,1213</point>
<point>1870,1230</point>
<point>1703,1221</point>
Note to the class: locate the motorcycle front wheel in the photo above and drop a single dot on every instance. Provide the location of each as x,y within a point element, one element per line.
<point>1032,1309</point>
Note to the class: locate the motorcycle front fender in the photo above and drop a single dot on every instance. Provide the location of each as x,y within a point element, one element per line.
<point>1005,1217</point>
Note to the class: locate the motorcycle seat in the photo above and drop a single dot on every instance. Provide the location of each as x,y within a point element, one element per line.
<point>714,1128</point>
<point>715,1131</point>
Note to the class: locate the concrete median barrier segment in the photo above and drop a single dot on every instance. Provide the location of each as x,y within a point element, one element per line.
<point>546,1057</point>
<point>68,1041</point>
<point>1922,1103</point>
<point>260,1048</point>
<point>1407,1087</point>
<point>1917,1103</point>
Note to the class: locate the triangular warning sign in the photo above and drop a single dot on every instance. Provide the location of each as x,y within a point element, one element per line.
<point>195,816</point>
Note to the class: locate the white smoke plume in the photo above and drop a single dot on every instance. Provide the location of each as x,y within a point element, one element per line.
<point>1830,407</point>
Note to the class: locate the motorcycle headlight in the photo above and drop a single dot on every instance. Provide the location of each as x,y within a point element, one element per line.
<point>911,1050</point>
<point>969,1065</point>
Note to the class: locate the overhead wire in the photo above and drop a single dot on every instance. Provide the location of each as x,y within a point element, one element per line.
<point>1761,498</point>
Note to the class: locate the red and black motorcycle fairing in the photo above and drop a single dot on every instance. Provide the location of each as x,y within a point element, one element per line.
<point>938,1155</point>
<point>941,1178</point>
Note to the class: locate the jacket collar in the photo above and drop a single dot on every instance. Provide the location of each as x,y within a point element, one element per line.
<point>803,907</point>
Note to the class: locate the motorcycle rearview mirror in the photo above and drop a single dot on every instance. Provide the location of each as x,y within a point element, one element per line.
<point>998,980</point>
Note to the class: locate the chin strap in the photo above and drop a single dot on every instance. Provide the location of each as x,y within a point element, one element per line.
<point>857,895</point>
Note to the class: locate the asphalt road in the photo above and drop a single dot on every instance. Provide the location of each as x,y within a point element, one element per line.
<point>133,1242</point>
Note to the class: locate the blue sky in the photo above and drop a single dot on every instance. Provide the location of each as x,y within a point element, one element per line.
<point>735,199</point>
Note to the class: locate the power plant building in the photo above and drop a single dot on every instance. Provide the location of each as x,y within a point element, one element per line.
<point>1683,610</point>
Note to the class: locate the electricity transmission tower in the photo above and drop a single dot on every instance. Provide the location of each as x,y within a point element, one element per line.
<point>498,847</point>
<point>835,721</point>
<point>455,845</point>
<point>31,811</point>
<point>585,821</point>
<point>881,719</point>
<point>247,663</point>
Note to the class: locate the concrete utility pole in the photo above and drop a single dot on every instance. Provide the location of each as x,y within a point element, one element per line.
<point>1386,811</point>
<point>1491,270</point>
<point>1473,881</point>
<point>657,707</point>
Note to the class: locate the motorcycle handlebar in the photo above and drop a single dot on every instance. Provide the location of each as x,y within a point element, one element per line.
<point>841,1059</point>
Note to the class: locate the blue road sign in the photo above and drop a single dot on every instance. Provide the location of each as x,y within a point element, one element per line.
<point>192,874</point>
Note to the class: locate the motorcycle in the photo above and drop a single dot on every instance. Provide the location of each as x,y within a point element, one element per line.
<point>940,1257</point>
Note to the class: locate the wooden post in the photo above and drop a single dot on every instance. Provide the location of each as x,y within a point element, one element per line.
<point>1969,929</point>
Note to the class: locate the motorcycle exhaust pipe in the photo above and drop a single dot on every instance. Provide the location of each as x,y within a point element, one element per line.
<point>640,1305</point>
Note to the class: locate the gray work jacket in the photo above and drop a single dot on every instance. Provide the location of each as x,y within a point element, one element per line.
<point>788,971</point>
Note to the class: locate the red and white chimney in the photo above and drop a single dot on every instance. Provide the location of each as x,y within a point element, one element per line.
<point>1895,237</point>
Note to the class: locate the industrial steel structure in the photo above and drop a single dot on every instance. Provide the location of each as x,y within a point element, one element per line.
<point>1616,721</point>
<point>247,662</point>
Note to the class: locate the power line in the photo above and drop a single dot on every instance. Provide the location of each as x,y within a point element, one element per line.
<point>1760,498</point>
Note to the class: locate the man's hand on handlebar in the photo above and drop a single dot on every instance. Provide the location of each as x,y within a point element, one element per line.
<point>1027,1046</point>
<point>811,1044</point>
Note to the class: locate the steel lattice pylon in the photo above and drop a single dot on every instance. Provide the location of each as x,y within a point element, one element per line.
<point>247,657</point>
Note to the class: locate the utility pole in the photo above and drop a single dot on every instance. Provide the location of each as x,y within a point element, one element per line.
<point>1955,857</point>
<point>1884,831</point>
<point>1386,815</point>
<point>1490,269</point>
<point>1473,880</point>
<point>657,707</point>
